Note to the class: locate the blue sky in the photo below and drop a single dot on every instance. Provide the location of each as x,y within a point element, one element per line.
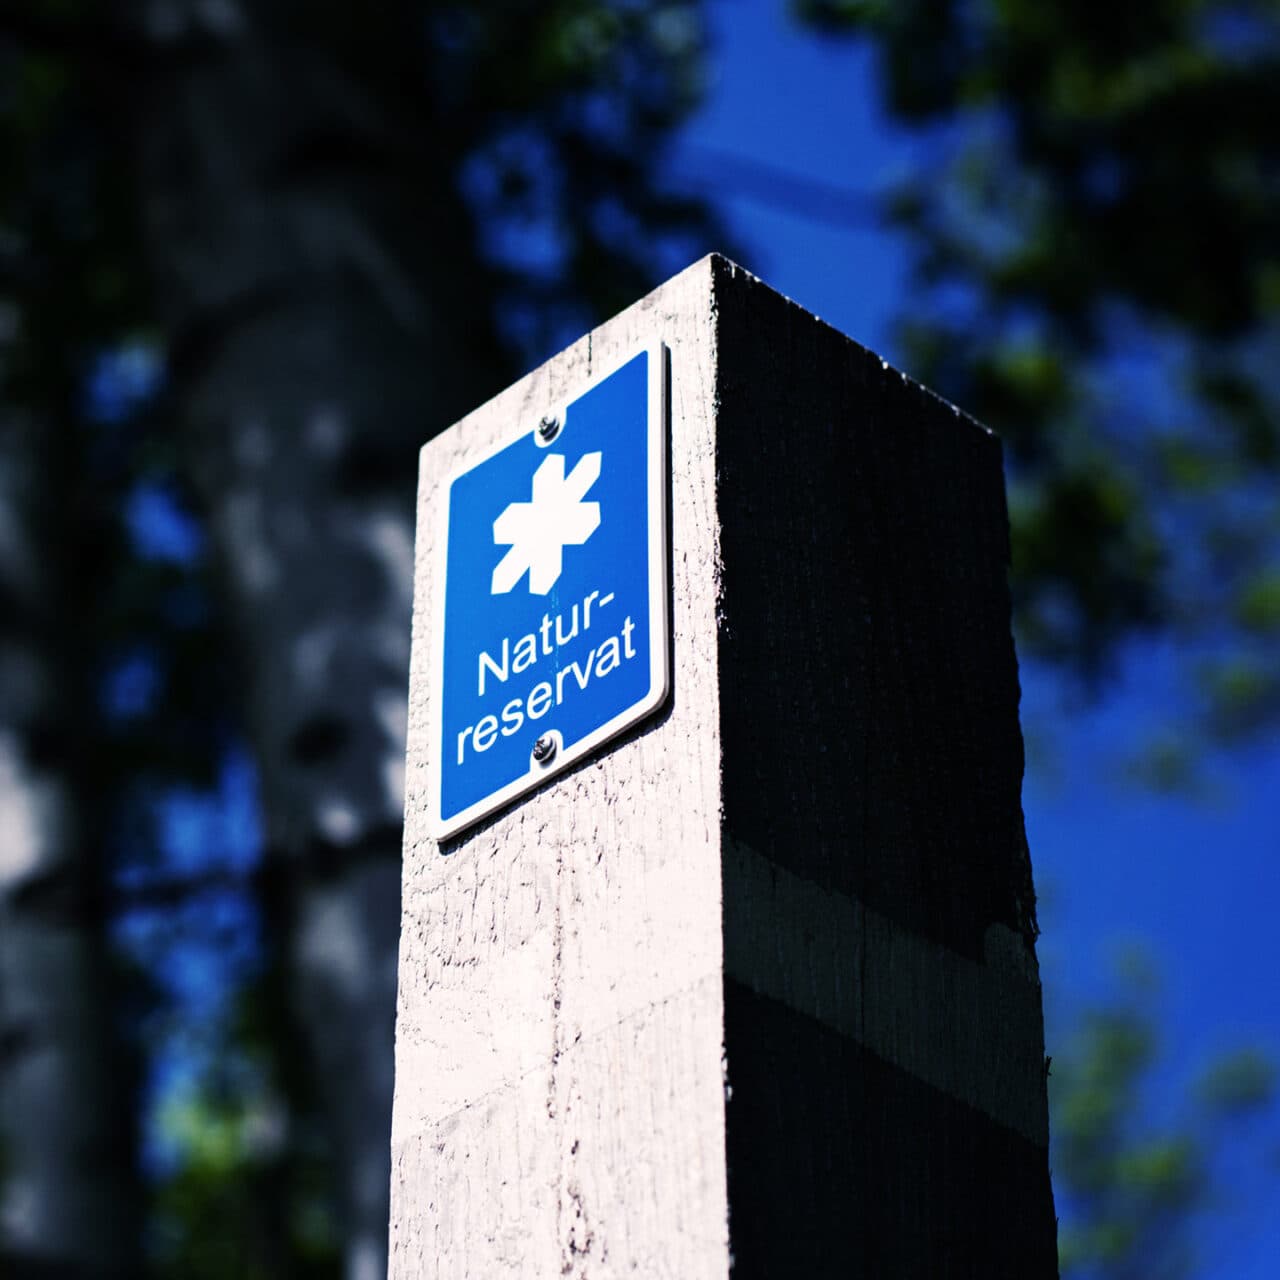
<point>1195,880</point>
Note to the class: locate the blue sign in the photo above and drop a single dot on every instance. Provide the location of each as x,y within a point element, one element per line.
<point>552,632</point>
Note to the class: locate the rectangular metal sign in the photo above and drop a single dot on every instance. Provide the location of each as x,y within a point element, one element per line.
<point>551,632</point>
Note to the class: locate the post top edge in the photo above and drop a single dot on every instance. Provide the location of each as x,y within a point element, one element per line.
<point>729,274</point>
<point>723,274</point>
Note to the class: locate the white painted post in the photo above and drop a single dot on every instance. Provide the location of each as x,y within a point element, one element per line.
<point>756,985</point>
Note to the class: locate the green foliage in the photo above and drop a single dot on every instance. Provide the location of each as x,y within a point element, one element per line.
<point>561,113</point>
<point>248,1191</point>
<point>1137,1198</point>
<point>1095,225</point>
<point>1239,1083</point>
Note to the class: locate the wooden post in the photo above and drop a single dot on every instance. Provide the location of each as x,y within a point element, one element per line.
<point>754,987</point>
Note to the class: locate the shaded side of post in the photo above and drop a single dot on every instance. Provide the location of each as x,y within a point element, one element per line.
<point>883,1026</point>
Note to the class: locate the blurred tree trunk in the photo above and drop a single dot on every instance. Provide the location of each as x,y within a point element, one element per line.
<point>324,317</point>
<point>68,1198</point>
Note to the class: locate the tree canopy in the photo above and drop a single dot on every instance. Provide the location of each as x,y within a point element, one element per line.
<point>1096,231</point>
<point>1141,1190</point>
<point>200,202</point>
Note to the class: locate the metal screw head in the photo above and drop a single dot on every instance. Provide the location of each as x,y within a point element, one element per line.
<point>549,428</point>
<point>544,750</point>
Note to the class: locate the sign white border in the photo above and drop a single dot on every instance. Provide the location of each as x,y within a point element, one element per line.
<point>660,630</point>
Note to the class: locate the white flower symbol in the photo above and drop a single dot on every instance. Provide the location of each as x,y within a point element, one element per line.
<point>538,531</point>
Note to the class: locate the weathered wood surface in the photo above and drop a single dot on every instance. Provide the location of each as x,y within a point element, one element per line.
<point>758,984</point>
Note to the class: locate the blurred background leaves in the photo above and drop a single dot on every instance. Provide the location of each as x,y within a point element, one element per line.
<point>1144,1194</point>
<point>1097,239</point>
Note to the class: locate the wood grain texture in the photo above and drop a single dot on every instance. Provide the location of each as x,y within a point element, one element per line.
<point>559,1097</point>
<point>755,988</point>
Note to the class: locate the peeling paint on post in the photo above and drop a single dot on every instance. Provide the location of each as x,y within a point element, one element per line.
<point>755,985</point>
